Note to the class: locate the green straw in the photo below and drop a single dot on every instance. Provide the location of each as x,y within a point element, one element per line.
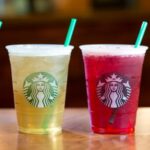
<point>1,23</point>
<point>70,32</point>
<point>141,34</point>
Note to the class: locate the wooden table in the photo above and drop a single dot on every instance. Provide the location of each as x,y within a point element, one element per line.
<point>76,134</point>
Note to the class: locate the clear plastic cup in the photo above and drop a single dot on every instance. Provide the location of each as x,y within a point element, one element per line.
<point>39,74</point>
<point>113,76</point>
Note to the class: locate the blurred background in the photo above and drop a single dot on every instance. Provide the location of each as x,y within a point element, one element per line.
<point>47,21</point>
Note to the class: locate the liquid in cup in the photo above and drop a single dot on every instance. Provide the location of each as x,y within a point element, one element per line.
<point>113,75</point>
<point>39,74</point>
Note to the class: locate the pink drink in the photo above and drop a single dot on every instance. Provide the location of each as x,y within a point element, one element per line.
<point>113,86</point>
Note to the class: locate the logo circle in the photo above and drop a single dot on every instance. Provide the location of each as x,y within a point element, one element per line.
<point>40,89</point>
<point>113,90</point>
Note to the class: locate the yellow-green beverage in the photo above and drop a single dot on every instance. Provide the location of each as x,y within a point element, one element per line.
<point>39,74</point>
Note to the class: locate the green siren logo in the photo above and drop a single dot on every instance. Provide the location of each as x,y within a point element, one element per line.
<point>40,89</point>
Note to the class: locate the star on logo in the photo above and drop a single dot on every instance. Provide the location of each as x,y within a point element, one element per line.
<point>40,76</point>
<point>100,83</point>
<point>27,84</point>
<point>53,83</point>
<point>127,84</point>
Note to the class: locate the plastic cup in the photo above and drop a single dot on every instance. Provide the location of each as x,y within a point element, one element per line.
<point>39,74</point>
<point>113,75</point>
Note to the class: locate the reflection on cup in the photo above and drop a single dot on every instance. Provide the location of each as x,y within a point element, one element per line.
<point>39,74</point>
<point>113,75</point>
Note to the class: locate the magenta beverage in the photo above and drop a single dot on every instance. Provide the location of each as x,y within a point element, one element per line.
<point>113,75</point>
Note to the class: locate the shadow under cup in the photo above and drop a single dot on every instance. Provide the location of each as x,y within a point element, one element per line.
<point>39,74</point>
<point>113,75</point>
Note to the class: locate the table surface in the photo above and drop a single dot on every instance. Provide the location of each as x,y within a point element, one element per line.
<point>76,134</point>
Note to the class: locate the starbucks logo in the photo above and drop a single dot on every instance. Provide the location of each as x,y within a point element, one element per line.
<point>40,89</point>
<point>113,90</point>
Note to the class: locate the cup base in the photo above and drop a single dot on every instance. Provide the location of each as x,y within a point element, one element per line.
<point>50,131</point>
<point>112,130</point>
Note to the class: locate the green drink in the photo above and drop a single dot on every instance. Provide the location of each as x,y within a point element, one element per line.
<point>39,74</point>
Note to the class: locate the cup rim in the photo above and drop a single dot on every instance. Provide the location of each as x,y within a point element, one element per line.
<point>38,49</point>
<point>112,49</point>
